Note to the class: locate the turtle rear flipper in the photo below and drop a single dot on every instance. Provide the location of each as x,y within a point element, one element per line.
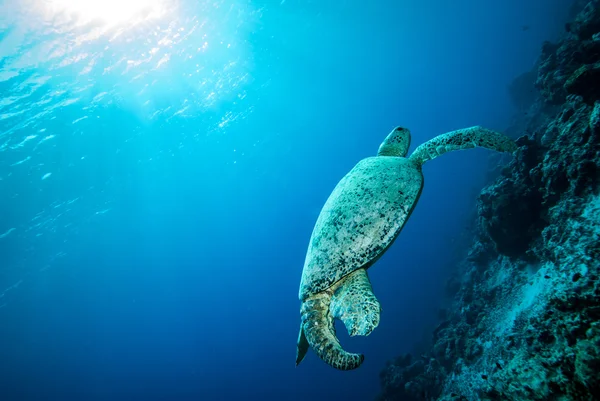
<point>318,327</point>
<point>466,138</point>
<point>355,304</point>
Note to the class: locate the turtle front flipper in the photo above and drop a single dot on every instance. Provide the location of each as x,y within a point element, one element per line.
<point>354,303</point>
<point>319,329</point>
<point>466,138</point>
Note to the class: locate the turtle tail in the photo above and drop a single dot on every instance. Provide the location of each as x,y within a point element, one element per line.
<point>302,347</point>
<point>462,139</point>
<point>319,331</point>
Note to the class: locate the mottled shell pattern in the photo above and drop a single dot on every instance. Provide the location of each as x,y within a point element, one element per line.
<point>361,218</point>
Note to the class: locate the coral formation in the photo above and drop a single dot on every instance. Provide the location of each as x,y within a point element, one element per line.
<point>525,319</point>
<point>571,65</point>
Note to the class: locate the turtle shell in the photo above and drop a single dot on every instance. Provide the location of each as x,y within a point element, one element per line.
<point>359,221</point>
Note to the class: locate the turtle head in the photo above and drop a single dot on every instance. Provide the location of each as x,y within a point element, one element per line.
<point>396,143</point>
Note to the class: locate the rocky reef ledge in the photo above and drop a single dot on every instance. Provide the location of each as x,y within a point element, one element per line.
<point>525,317</point>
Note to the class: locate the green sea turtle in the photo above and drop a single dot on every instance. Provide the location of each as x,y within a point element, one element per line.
<point>359,221</point>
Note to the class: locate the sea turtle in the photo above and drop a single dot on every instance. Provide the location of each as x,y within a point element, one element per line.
<point>359,221</point>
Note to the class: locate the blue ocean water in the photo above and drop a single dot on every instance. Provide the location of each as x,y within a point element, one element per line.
<point>162,167</point>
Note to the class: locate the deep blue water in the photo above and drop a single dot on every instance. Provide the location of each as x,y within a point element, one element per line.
<point>159,183</point>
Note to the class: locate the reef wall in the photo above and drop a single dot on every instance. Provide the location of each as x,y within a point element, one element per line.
<point>525,317</point>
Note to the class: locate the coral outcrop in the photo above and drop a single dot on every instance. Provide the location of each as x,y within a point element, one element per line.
<point>571,66</point>
<point>525,319</point>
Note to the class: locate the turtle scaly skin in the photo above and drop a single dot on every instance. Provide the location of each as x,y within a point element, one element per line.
<point>467,138</point>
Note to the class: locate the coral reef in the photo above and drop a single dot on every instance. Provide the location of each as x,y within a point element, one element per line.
<point>571,66</point>
<point>525,318</point>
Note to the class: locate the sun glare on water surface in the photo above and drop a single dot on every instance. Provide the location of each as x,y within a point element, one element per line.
<point>109,12</point>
